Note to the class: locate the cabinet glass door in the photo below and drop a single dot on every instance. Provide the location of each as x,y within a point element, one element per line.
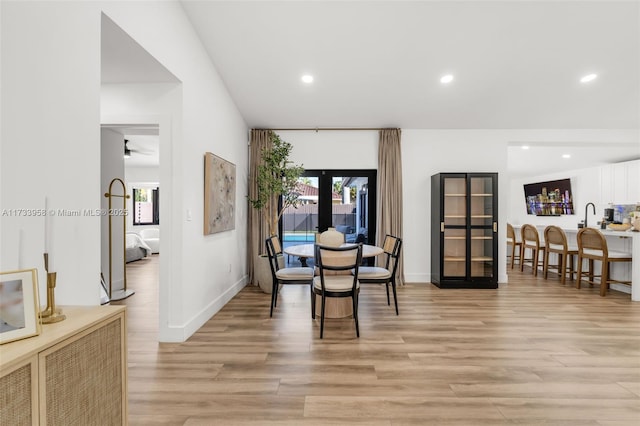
<point>454,227</point>
<point>482,226</point>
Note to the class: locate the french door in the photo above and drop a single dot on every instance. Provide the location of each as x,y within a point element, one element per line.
<point>342,199</point>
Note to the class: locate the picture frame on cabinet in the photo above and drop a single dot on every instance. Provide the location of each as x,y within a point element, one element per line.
<point>19,305</point>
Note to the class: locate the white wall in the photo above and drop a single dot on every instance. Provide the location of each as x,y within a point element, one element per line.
<point>112,167</point>
<point>51,112</point>
<point>50,115</point>
<point>198,274</point>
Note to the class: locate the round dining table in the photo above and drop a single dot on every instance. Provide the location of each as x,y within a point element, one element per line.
<point>336,307</point>
<point>306,251</point>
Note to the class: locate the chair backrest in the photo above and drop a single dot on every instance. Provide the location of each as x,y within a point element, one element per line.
<point>391,247</point>
<point>555,238</point>
<point>338,258</point>
<point>331,237</point>
<point>511,234</point>
<point>530,236</point>
<point>274,250</point>
<point>593,241</point>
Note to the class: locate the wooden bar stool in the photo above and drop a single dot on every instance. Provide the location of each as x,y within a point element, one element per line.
<point>514,244</point>
<point>531,241</point>
<point>592,246</point>
<point>556,242</point>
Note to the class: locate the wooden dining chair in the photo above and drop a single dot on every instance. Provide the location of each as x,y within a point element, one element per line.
<point>281,275</point>
<point>531,242</point>
<point>385,275</point>
<point>592,246</point>
<point>556,242</point>
<point>332,281</point>
<point>514,243</point>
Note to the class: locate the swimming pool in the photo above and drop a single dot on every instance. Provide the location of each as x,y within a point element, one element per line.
<point>307,238</point>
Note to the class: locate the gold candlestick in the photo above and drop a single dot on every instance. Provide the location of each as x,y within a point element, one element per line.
<point>49,310</point>
<point>51,314</point>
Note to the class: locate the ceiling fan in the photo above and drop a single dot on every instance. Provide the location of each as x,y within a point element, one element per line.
<point>128,151</point>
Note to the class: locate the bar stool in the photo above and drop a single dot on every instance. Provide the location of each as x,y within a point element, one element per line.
<point>531,241</point>
<point>593,246</point>
<point>556,242</point>
<point>513,242</point>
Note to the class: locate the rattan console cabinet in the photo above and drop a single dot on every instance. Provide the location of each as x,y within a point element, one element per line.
<point>73,373</point>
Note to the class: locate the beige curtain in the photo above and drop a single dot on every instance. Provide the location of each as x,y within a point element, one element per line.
<point>390,190</point>
<point>257,226</point>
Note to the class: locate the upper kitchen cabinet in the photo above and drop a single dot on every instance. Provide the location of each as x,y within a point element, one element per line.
<point>620,183</point>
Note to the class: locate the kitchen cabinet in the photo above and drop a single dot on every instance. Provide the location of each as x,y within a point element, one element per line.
<point>464,237</point>
<point>619,183</point>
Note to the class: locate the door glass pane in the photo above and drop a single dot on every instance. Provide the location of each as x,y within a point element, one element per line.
<point>482,252</point>
<point>300,225</point>
<point>454,252</point>
<point>349,207</point>
<point>481,201</point>
<point>455,202</point>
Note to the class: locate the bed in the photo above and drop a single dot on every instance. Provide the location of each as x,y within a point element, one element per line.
<point>136,249</point>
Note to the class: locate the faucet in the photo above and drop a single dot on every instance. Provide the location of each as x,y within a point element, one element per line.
<point>586,208</point>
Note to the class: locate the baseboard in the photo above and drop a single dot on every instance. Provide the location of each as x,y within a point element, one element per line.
<point>417,278</point>
<point>176,334</point>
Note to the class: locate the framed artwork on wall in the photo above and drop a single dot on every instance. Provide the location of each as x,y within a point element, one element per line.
<point>219,194</point>
<point>19,305</point>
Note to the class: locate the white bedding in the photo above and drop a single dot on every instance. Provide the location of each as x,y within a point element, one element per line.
<point>133,240</point>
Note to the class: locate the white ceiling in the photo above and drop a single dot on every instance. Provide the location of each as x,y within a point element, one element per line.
<point>378,63</point>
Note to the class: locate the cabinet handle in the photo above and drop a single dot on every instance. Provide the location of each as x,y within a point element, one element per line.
<point>495,226</point>
<point>441,226</point>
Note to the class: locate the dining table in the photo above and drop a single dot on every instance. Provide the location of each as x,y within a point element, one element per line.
<point>336,307</point>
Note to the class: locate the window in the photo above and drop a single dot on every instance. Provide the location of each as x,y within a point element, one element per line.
<point>146,209</point>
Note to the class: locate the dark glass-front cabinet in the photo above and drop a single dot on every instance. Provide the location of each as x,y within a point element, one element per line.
<point>464,230</point>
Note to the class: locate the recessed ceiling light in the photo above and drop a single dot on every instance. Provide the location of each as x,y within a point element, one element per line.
<point>525,147</point>
<point>446,79</point>
<point>307,78</point>
<point>566,155</point>
<point>588,78</point>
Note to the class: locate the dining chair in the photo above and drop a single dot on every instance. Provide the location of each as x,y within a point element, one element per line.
<point>514,243</point>
<point>384,275</point>
<point>531,241</point>
<point>556,242</point>
<point>334,279</point>
<point>281,275</point>
<point>592,246</point>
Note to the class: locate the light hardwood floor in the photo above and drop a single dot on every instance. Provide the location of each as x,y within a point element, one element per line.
<point>532,352</point>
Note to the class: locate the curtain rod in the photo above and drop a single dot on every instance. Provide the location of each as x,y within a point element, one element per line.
<point>316,129</point>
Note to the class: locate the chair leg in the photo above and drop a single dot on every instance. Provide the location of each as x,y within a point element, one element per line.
<point>322,317</point>
<point>395,295</point>
<point>513,255</point>
<point>534,255</point>
<point>563,269</point>
<point>313,303</point>
<point>545,264</point>
<point>522,253</point>
<point>579,277</point>
<point>355,312</point>
<point>591,272</point>
<point>604,279</point>
<point>386,287</point>
<point>273,298</point>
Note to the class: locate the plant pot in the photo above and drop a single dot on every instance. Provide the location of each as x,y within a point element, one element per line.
<point>262,273</point>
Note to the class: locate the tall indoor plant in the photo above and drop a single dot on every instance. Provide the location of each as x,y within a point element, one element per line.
<point>277,177</point>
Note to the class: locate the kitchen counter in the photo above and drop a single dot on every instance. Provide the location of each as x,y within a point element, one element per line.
<point>628,241</point>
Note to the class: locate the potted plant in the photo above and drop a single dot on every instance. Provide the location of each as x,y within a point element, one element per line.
<point>277,177</point>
